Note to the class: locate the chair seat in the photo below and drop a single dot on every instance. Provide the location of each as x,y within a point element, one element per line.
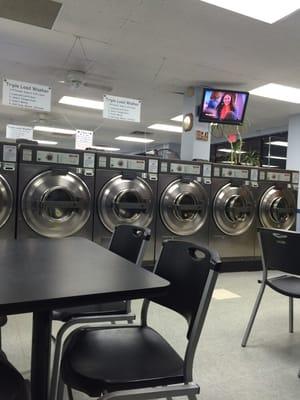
<point>65,314</point>
<point>286,285</point>
<point>119,358</point>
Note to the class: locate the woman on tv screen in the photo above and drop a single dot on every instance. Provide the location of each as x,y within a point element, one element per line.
<point>226,108</point>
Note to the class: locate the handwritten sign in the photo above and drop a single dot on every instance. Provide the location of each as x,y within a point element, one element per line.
<point>83,139</point>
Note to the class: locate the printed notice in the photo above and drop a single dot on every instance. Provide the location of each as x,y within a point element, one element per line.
<point>19,132</point>
<point>83,139</point>
<point>26,95</point>
<point>122,108</point>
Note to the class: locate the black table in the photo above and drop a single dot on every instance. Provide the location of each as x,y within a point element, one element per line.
<point>39,275</point>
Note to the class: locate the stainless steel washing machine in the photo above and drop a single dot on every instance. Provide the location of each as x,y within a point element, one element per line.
<point>183,202</point>
<point>277,200</point>
<point>125,193</point>
<point>232,219</point>
<point>8,189</point>
<point>55,193</point>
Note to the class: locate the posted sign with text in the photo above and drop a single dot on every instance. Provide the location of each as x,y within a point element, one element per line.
<point>122,108</point>
<point>26,95</point>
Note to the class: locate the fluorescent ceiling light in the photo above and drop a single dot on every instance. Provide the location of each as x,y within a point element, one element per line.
<point>262,10</point>
<point>278,143</point>
<point>278,92</point>
<point>178,118</point>
<point>45,142</point>
<point>78,102</point>
<point>270,166</point>
<point>276,157</point>
<point>229,151</point>
<point>51,129</point>
<point>134,139</point>
<point>105,148</point>
<point>168,128</point>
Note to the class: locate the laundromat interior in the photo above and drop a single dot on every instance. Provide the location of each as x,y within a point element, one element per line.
<point>149,205</point>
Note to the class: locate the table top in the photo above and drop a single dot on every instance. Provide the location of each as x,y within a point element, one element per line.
<point>44,274</point>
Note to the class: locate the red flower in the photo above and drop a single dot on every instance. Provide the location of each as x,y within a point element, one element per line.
<point>232,138</point>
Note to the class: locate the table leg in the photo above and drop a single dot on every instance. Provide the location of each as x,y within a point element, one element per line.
<point>40,354</point>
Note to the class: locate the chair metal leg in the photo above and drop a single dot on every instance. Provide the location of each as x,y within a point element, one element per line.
<point>253,315</point>
<point>60,390</point>
<point>291,314</point>
<point>70,394</point>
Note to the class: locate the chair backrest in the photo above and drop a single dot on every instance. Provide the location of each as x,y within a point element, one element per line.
<point>129,241</point>
<point>12,384</point>
<point>280,250</point>
<point>190,269</point>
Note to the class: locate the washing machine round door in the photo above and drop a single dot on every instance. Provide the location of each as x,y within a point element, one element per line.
<point>277,208</point>
<point>125,201</point>
<point>184,207</point>
<point>6,201</point>
<point>233,209</point>
<point>56,205</point>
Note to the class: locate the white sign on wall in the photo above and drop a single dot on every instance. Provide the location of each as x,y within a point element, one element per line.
<point>122,108</point>
<point>26,95</point>
<point>83,139</point>
<point>19,132</point>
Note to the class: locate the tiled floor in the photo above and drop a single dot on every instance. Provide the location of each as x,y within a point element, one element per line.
<point>265,370</point>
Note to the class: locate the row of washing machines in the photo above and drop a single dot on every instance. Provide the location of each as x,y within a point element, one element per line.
<point>55,193</point>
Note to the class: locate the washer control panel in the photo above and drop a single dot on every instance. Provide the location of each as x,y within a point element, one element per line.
<point>235,173</point>
<point>128,163</point>
<point>57,157</point>
<point>189,169</point>
<point>278,176</point>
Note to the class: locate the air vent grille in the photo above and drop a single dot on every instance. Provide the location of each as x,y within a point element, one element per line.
<point>42,13</point>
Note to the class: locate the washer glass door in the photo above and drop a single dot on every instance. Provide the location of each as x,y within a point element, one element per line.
<point>55,204</point>
<point>6,201</point>
<point>234,209</point>
<point>277,208</point>
<point>125,201</point>
<point>184,207</point>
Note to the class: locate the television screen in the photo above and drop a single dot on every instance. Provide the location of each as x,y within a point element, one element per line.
<point>223,106</point>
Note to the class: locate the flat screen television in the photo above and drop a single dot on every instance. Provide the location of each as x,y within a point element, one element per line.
<point>223,106</point>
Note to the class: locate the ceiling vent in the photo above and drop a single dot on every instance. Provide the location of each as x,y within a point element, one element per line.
<point>42,13</point>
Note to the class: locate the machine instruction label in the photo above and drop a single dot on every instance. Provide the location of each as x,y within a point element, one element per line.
<point>9,153</point>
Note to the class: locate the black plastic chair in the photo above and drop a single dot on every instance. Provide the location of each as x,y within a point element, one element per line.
<point>128,241</point>
<point>280,251</point>
<point>135,361</point>
<point>12,384</point>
